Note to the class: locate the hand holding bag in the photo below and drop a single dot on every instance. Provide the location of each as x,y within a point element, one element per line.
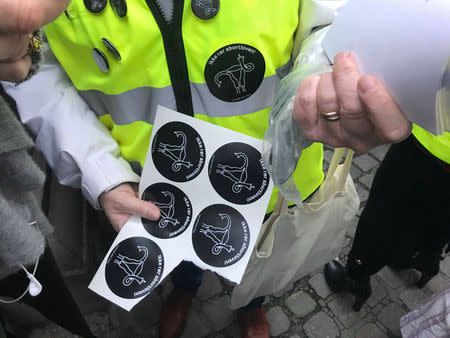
<point>295,241</point>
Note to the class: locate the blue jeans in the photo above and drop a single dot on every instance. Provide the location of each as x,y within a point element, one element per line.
<point>188,277</point>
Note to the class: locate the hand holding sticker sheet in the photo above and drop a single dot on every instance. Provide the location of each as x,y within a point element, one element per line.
<point>212,189</point>
<point>406,43</point>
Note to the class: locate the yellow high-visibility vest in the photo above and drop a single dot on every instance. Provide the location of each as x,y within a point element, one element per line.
<point>225,70</point>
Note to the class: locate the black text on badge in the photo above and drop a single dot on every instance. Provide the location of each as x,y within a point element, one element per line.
<point>234,72</point>
<point>134,267</point>
<point>238,174</point>
<point>220,235</point>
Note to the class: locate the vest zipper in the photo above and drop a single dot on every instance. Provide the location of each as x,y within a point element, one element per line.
<point>175,54</point>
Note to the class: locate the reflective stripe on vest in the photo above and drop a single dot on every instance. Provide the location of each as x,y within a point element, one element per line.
<point>145,100</point>
<point>126,97</point>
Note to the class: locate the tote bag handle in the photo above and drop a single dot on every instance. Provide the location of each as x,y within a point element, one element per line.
<point>337,156</point>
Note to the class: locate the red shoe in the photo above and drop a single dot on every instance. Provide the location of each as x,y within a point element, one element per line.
<point>174,312</point>
<point>254,324</point>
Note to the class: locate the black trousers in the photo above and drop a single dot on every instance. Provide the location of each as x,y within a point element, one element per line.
<point>407,216</point>
<point>55,301</point>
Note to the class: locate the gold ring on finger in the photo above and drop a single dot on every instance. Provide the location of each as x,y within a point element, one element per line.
<point>34,43</point>
<point>330,116</point>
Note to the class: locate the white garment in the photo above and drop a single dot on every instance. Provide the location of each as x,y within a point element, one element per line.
<point>431,320</point>
<point>75,143</point>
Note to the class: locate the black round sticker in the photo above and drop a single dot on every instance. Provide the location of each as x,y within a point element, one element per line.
<point>95,6</point>
<point>205,9</point>
<point>237,173</point>
<point>134,267</point>
<point>178,152</point>
<point>220,235</point>
<point>234,72</point>
<point>175,208</point>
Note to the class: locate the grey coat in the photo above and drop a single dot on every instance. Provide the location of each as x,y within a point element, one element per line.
<point>20,243</point>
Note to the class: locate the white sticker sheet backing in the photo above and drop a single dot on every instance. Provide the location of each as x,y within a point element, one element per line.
<point>212,189</point>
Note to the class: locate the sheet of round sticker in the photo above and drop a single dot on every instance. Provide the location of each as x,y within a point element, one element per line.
<point>220,233</point>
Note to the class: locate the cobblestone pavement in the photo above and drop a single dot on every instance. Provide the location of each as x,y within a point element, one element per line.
<point>307,309</point>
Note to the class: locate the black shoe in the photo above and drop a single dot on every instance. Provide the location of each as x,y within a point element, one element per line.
<point>338,280</point>
<point>335,276</point>
<point>361,290</point>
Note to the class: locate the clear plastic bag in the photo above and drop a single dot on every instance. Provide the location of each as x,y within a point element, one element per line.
<point>284,140</point>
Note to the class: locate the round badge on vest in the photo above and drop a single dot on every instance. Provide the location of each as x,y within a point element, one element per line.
<point>220,235</point>
<point>134,267</point>
<point>120,7</point>
<point>238,174</point>
<point>95,6</point>
<point>234,72</point>
<point>100,59</point>
<point>175,208</point>
<point>205,9</point>
<point>178,152</point>
<point>112,49</point>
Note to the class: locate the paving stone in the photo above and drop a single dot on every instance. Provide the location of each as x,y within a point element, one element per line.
<point>318,283</point>
<point>341,306</point>
<point>355,172</point>
<point>327,155</point>
<point>380,151</point>
<point>295,336</point>
<point>386,301</point>
<point>283,291</point>
<point>378,293</point>
<point>437,283</point>
<point>363,193</point>
<point>445,266</point>
<point>390,317</point>
<point>370,330</point>
<point>300,304</point>
<point>320,326</point>
<point>347,333</point>
<point>389,277</point>
<point>367,179</point>
<point>196,325</point>
<point>278,321</point>
<point>382,327</point>
<point>413,298</point>
<point>409,277</point>
<point>338,323</point>
<point>376,310</point>
<point>322,303</point>
<point>210,287</point>
<point>218,313</point>
<point>365,162</point>
<point>393,295</point>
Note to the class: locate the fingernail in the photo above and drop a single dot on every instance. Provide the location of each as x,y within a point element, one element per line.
<point>341,57</point>
<point>367,84</point>
<point>156,213</point>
